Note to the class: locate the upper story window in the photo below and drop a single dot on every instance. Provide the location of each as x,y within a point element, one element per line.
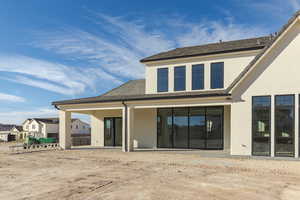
<point>179,78</point>
<point>33,126</point>
<point>217,75</point>
<point>198,77</point>
<point>162,80</point>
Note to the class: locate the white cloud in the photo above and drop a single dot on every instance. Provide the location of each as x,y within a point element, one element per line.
<point>119,44</point>
<point>11,98</point>
<point>17,117</point>
<point>52,76</point>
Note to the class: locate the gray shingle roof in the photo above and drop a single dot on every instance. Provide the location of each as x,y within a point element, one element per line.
<point>135,90</point>
<point>209,49</point>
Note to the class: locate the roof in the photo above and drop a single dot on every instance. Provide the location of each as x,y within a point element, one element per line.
<point>19,128</point>
<point>135,90</point>
<point>6,127</point>
<point>262,53</point>
<point>50,120</point>
<point>211,49</point>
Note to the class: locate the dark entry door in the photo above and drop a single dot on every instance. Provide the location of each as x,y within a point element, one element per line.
<point>113,131</point>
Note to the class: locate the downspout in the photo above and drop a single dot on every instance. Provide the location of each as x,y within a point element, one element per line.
<point>125,125</point>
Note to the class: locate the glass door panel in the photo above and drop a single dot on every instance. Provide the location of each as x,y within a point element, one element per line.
<point>197,128</point>
<point>164,128</point>
<point>118,131</point>
<point>180,128</point>
<point>108,132</point>
<point>214,127</point>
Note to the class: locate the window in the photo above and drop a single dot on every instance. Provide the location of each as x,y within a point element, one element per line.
<point>217,75</point>
<point>284,125</point>
<point>179,78</point>
<point>33,126</point>
<point>83,127</point>
<point>261,123</point>
<point>162,80</point>
<point>198,77</point>
<point>76,126</point>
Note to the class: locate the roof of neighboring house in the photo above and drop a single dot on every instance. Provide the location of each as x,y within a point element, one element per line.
<point>50,120</point>
<point>135,90</point>
<point>6,127</point>
<point>262,53</point>
<point>19,128</point>
<point>211,49</point>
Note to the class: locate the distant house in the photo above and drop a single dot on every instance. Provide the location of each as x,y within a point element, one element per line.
<point>5,134</point>
<point>17,131</point>
<point>49,127</point>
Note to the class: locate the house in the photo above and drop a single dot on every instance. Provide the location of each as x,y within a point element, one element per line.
<point>5,134</point>
<point>17,131</point>
<point>48,127</point>
<point>240,97</point>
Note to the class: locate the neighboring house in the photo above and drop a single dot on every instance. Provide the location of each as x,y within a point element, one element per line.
<point>17,131</point>
<point>5,133</point>
<point>49,127</point>
<point>239,96</point>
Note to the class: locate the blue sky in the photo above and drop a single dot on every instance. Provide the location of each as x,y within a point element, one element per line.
<point>60,49</point>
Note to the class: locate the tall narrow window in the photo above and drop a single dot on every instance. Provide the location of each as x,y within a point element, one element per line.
<point>284,125</point>
<point>261,123</point>
<point>162,80</point>
<point>217,75</point>
<point>198,77</point>
<point>179,78</point>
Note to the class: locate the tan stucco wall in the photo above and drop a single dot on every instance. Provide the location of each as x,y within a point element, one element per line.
<point>233,65</point>
<point>278,73</point>
<point>145,128</point>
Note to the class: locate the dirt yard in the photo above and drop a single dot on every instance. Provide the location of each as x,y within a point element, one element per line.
<point>111,174</point>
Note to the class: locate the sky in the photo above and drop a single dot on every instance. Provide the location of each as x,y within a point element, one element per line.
<point>54,50</point>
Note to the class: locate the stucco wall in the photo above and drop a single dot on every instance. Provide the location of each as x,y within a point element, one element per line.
<point>233,65</point>
<point>278,73</point>
<point>145,128</point>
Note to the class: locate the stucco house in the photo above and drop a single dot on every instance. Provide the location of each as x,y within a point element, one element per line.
<point>48,127</point>
<point>240,97</point>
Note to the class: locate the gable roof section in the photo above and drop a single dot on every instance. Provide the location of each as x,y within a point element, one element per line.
<point>135,90</point>
<point>264,52</point>
<point>212,49</point>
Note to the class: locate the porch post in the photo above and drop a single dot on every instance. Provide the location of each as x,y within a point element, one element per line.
<point>296,126</point>
<point>272,126</point>
<point>65,129</point>
<point>130,128</point>
<point>124,127</point>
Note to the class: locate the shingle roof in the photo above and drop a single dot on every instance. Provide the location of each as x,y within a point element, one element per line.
<point>50,120</point>
<point>209,49</point>
<point>19,128</point>
<point>135,90</point>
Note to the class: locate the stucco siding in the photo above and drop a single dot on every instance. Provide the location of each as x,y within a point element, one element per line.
<point>277,73</point>
<point>145,128</point>
<point>233,65</point>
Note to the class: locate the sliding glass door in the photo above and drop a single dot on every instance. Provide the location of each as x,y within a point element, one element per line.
<point>113,131</point>
<point>197,127</point>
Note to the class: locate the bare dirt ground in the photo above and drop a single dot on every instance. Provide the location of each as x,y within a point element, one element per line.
<point>111,174</point>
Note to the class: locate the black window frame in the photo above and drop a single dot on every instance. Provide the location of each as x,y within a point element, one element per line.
<point>270,124</point>
<point>177,81</point>
<point>212,85</point>
<point>294,125</point>
<point>201,77</point>
<point>158,86</point>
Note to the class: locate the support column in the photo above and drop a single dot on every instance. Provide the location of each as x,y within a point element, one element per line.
<point>124,129</point>
<point>97,130</point>
<point>272,126</point>
<point>65,129</point>
<point>130,128</point>
<point>296,126</point>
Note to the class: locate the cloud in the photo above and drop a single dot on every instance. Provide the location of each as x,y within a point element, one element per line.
<point>11,98</point>
<point>17,117</point>
<point>51,76</point>
<point>118,44</point>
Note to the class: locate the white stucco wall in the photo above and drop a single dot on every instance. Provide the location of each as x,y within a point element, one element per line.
<point>233,65</point>
<point>278,73</point>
